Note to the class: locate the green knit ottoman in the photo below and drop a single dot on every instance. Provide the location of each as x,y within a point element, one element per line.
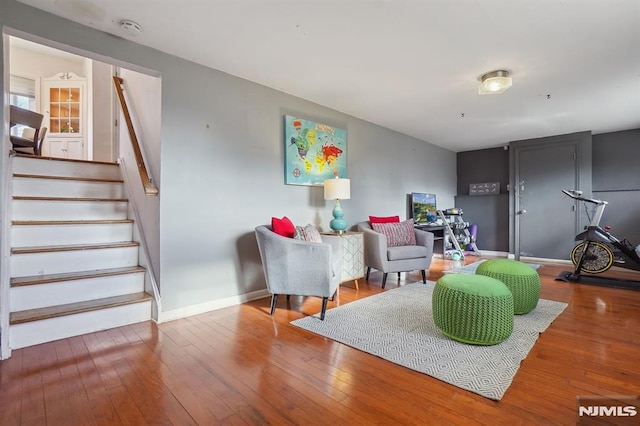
<point>473,309</point>
<point>522,280</point>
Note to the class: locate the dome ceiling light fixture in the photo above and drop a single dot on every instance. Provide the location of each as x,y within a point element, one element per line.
<point>130,27</point>
<point>494,82</point>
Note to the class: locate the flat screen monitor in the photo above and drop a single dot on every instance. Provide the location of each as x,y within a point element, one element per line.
<point>423,207</point>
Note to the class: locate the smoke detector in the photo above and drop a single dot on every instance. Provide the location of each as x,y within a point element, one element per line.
<point>130,27</point>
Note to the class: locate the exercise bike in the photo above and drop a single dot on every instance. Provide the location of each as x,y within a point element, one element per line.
<point>598,249</point>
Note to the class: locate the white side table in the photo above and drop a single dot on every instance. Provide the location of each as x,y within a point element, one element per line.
<point>352,256</point>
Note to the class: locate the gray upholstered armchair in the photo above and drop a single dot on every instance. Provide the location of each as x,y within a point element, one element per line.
<point>300,267</point>
<point>386,259</point>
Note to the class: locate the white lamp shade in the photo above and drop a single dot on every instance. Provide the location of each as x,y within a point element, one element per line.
<point>337,189</point>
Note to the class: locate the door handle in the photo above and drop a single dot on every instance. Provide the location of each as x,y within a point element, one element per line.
<point>523,211</point>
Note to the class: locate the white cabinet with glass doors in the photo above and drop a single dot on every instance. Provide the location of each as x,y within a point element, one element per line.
<point>64,101</point>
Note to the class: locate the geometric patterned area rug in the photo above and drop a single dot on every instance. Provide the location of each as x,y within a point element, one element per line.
<point>471,268</point>
<point>397,325</point>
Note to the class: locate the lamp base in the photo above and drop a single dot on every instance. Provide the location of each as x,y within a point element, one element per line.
<point>338,224</point>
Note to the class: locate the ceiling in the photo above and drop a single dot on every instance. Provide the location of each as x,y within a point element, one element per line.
<point>411,65</point>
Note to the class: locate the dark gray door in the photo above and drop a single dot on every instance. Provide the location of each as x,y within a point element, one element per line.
<point>545,223</point>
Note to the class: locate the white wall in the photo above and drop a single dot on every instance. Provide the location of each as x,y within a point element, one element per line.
<point>30,64</point>
<point>35,65</point>
<point>144,100</point>
<point>102,118</point>
<point>143,94</point>
<point>221,150</point>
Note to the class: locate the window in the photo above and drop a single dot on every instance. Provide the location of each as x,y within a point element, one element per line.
<point>22,93</point>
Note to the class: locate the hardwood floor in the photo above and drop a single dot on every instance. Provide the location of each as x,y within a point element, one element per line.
<point>239,366</point>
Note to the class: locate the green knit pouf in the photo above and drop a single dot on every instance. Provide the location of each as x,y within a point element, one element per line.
<point>520,278</point>
<point>473,309</point>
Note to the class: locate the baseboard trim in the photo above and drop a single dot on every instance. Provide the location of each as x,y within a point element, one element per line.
<point>482,253</point>
<point>525,258</point>
<point>545,260</point>
<point>493,253</point>
<point>211,306</point>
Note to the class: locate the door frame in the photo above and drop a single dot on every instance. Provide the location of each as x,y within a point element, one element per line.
<point>582,142</point>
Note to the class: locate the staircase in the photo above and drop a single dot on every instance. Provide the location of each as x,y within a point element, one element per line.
<point>74,264</point>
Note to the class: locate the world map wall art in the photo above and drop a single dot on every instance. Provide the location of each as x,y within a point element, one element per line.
<point>313,152</point>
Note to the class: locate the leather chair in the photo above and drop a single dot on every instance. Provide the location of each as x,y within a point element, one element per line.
<point>29,133</point>
<point>398,259</point>
<point>31,120</point>
<point>299,267</point>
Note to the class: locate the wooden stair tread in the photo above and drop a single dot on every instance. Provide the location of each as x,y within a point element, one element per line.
<point>70,222</point>
<point>70,178</point>
<point>30,315</point>
<point>70,160</point>
<point>46,249</point>
<point>70,276</point>
<point>29,198</point>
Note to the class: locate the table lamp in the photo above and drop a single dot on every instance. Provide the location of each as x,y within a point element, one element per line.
<point>337,189</point>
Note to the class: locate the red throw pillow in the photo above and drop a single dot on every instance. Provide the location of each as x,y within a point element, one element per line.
<point>283,226</point>
<point>384,219</point>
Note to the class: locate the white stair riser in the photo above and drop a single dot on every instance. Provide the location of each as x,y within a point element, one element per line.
<point>52,235</point>
<point>65,168</point>
<point>68,210</point>
<point>28,264</point>
<point>79,290</point>
<point>63,292</point>
<point>48,330</point>
<point>36,187</point>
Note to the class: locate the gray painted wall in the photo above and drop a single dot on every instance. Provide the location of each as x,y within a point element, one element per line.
<point>222,163</point>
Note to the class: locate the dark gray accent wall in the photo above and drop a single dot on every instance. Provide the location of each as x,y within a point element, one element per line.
<point>554,163</point>
<point>616,179</point>
<point>489,212</point>
<point>616,161</point>
<point>622,214</point>
<point>615,176</point>
<point>482,166</point>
